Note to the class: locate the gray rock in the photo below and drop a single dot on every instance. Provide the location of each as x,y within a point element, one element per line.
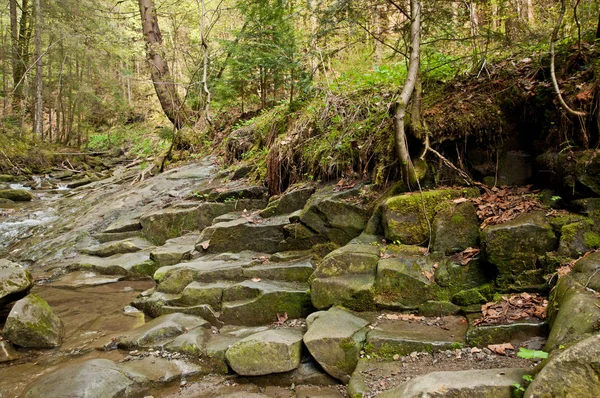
<point>271,351</point>
<point>160,331</point>
<point>497,383</point>
<point>570,373</point>
<point>174,250</point>
<point>295,271</point>
<point>514,247</point>
<point>332,215</point>
<point>289,202</point>
<point>16,195</point>
<point>192,343</point>
<point>455,228</point>
<point>517,332</point>
<point>578,238</point>
<point>32,323</point>
<point>355,292</point>
<point>334,338</point>
<point>349,259</point>
<point>152,371</point>
<point>138,263</point>
<point>15,281</point>
<point>118,247</point>
<point>95,378</point>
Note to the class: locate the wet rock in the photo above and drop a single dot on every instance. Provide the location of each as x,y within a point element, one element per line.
<point>138,263</point>
<point>118,247</point>
<point>160,331</point>
<point>7,352</point>
<point>573,312</point>
<point>570,373</point>
<point>455,228</point>
<point>258,303</point>
<point>15,281</point>
<point>192,343</point>
<point>218,344</point>
<point>8,178</point>
<point>514,247</point>
<point>289,202</point>
<point>309,372</point>
<point>116,236</point>
<point>77,279</point>
<point>335,215</point>
<point>497,383</point>
<point>31,323</point>
<point>6,202</point>
<point>355,292</point>
<point>517,332</point>
<point>402,282</point>
<point>334,338</point>
<point>403,218</point>
<point>271,351</point>
<point>85,180</point>
<point>95,378</point>
<point>16,195</point>
<point>152,371</point>
<point>402,337</point>
<point>204,293</point>
<point>126,223</point>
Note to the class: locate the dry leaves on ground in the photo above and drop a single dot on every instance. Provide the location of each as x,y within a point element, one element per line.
<point>501,348</point>
<point>466,255</point>
<point>504,204</point>
<point>513,308</point>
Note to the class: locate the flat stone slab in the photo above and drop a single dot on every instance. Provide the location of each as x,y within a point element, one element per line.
<point>298,271</point>
<point>497,383</point>
<point>160,331</point>
<point>152,370</point>
<point>258,303</point>
<point>271,351</point>
<point>120,264</point>
<point>482,336</point>
<point>355,292</point>
<point>77,279</point>
<point>108,249</point>
<point>396,336</point>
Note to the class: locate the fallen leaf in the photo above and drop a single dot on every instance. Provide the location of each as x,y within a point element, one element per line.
<point>282,318</point>
<point>460,200</point>
<point>501,348</point>
<point>428,275</point>
<point>255,279</point>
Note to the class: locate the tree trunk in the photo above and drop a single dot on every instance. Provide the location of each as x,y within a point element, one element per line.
<point>173,107</point>
<point>38,126</point>
<point>407,90</point>
<point>598,27</point>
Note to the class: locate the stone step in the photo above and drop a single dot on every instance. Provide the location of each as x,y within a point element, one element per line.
<point>298,271</point>
<point>108,249</point>
<point>128,264</point>
<point>175,250</point>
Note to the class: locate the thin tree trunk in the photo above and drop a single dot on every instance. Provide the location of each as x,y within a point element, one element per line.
<point>407,90</point>
<point>173,107</point>
<point>38,125</point>
<point>205,50</point>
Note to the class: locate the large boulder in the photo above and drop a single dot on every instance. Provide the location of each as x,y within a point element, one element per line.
<point>455,228</point>
<point>514,247</point>
<point>160,331</point>
<point>573,311</point>
<point>406,218</point>
<point>289,202</point>
<point>570,373</point>
<point>271,351</point>
<point>15,281</point>
<point>496,383</point>
<point>354,258</point>
<point>335,338</point>
<point>31,323</point>
<point>95,378</point>
<point>355,292</point>
<point>578,238</point>
<point>338,216</point>
<point>16,195</point>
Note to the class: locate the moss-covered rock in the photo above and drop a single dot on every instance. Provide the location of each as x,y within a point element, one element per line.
<point>349,259</point>
<point>454,276</point>
<point>573,312</point>
<point>519,331</point>
<point>406,218</point>
<point>572,173</point>
<point>569,373</point>
<point>16,195</point>
<point>405,282</point>
<point>192,343</point>
<point>455,228</point>
<point>31,323</point>
<point>338,216</point>
<point>586,271</point>
<point>288,202</point>
<point>514,247</point>
<point>355,292</point>
<point>438,308</point>
<point>578,238</point>
<point>271,351</point>
<point>15,281</point>
<point>334,338</point>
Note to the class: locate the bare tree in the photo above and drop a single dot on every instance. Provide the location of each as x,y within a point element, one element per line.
<point>173,106</point>
<point>38,127</point>
<point>407,90</point>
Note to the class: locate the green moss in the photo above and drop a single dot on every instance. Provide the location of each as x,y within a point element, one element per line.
<point>591,240</point>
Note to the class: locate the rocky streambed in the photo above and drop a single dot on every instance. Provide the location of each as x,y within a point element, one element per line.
<point>195,284</point>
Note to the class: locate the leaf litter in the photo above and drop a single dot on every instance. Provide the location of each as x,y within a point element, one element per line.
<point>506,203</point>
<point>513,308</point>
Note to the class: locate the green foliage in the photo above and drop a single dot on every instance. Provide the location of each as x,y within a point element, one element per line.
<point>139,139</point>
<point>531,354</point>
